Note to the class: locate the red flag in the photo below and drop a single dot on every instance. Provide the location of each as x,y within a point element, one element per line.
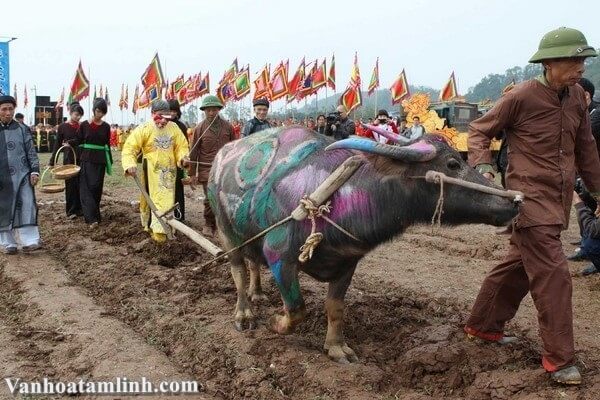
<point>319,77</point>
<point>331,76</point>
<point>153,74</point>
<point>80,88</point>
<point>351,98</point>
<point>296,81</point>
<point>449,91</point>
<point>399,88</point>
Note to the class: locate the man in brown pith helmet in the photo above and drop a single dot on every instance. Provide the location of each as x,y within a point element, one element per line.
<point>209,137</point>
<point>548,132</point>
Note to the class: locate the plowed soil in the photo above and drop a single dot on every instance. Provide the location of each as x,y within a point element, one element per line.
<point>110,303</point>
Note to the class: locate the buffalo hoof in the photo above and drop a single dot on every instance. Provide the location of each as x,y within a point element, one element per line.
<point>244,324</point>
<point>257,297</point>
<point>341,353</point>
<point>244,319</point>
<point>280,324</point>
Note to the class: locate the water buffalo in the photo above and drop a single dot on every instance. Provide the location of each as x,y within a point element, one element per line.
<point>259,180</point>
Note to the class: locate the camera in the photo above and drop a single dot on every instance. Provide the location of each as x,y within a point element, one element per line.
<point>579,188</point>
<point>333,118</point>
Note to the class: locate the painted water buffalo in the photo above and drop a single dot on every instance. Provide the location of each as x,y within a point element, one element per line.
<point>259,180</point>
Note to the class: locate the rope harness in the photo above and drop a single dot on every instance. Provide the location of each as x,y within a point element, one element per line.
<point>439,178</point>
<point>313,240</point>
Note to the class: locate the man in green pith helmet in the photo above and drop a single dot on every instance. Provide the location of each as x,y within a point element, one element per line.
<point>548,132</point>
<point>209,137</point>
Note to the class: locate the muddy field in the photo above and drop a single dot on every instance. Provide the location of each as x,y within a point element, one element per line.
<point>110,303</point>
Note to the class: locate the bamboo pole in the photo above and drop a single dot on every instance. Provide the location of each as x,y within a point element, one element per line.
<point>195,237</point>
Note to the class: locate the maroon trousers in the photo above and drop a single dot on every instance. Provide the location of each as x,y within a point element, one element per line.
<point>535,263</point>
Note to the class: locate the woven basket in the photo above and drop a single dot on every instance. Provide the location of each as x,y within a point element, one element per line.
<point>66,171</point>
<point>50,187</point>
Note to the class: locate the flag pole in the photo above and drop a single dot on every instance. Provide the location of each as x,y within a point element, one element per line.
<point>89,96</point>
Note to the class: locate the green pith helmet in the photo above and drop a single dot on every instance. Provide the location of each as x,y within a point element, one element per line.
<point>211,101</point>
<point>563,43</point>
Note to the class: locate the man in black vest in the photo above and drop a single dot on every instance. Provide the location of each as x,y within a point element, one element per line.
<point>259,122</point>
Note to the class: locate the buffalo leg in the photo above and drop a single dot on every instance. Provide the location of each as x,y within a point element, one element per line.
<point>335,345</point>
<point>243,314</point>
<point>255,292</point>
<point>286,277</point>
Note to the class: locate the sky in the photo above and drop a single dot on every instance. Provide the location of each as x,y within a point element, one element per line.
<point>116,40</point>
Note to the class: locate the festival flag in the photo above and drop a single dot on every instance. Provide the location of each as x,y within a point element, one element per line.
<point>126,98</point>
<point>25,98</point>
<point>178,84</point>
<point>148,96</point>
<point>106,98</point>
<point>182,93</point>
<point>374,83</point>
<point>355,76</point>
<point>261,84</point>
<point>449,91</point>
<point>351,98</point>
<point>15,93</point>
<point>61,100</point>
<point>153,76</point>
<point>306,86</point>
<point>399,88</point>
<point>225,92</point>
<point>296,81</point>
<point>241,83</point>
<point>101,92</point>
<point>204,86</point>
<point>80,88</point>
<point>191,93</point>
<point>278,87</point>
<point>508,87</point>
<point>230,73</point>
<point>122,96</point>
<point>95,96</point>
<point>319,76</point>
<point>136,99</point>
<point>331,75</point>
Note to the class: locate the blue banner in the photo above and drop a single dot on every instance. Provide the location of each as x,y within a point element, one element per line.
<point>4,70</point>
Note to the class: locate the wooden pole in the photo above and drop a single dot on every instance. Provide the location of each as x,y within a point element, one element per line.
<point>195,237</point>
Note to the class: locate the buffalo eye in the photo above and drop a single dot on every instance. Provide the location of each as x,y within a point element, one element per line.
<point>453,164</point>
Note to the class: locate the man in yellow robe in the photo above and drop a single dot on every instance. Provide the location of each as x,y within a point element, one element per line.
<point>163,147</point>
